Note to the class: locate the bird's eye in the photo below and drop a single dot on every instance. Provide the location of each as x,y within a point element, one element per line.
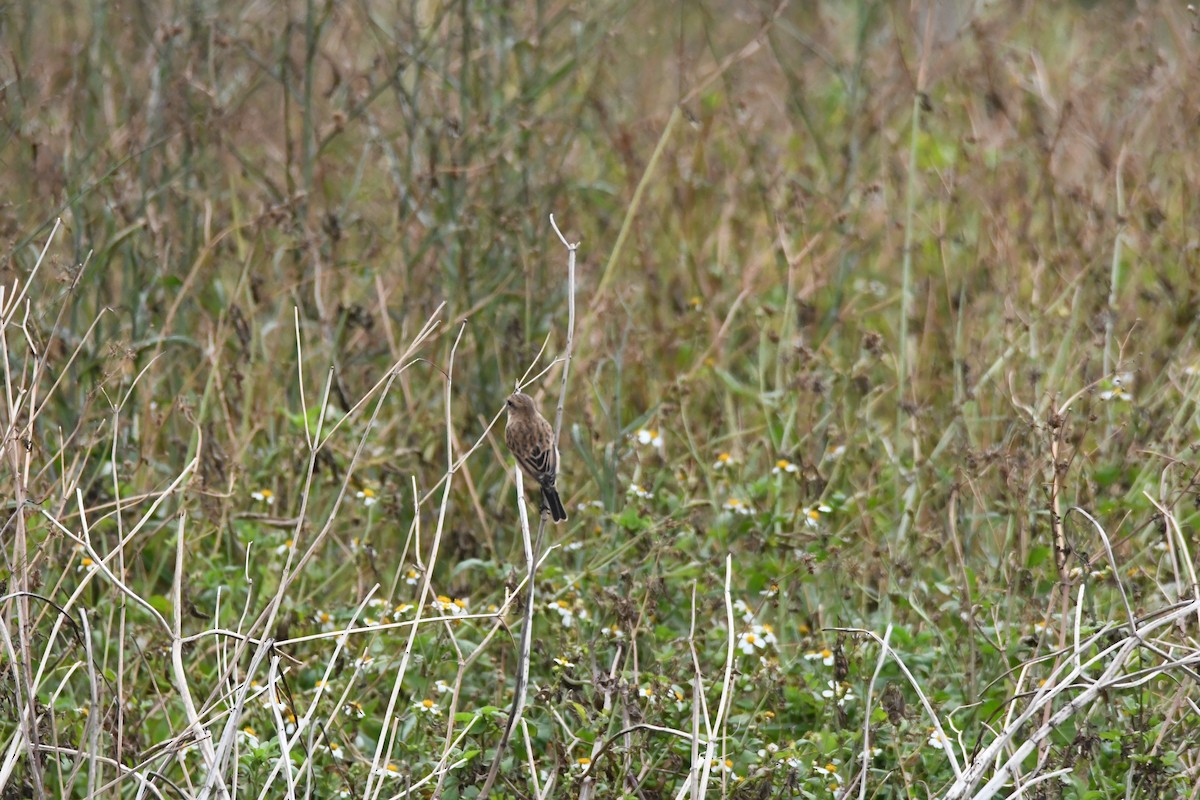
<point>509,402</point>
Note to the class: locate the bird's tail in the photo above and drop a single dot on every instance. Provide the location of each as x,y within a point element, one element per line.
<point>554,503</point>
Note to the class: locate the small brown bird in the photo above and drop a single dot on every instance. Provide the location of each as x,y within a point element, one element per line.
<point>531,439</point>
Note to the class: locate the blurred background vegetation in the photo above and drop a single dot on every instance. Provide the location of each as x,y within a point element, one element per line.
<point>869,294</point>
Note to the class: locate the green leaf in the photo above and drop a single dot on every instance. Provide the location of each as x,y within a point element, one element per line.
<point>161,604</point>
<point>1037,556</point>
<point>633,521</point>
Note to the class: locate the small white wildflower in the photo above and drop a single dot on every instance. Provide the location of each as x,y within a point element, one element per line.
<point>824,655</point>
<point>248,736</point>
<point>748,642</point>
<point>812,514</point>
<point>743,608</point>
<point>427,706</point>
<point>938,740</point>
<point>613,632</point>
<point>737,506</point>
<point>651,437</point>
<point>835,453</point>
<point>566,612</point>
<point>842,692</point>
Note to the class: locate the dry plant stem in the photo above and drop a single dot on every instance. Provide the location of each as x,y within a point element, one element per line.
<point>229,733</point>
<point>7,312</point>
<point>1114,277</point>
<point>265,621</point>
<point>726,686</point>
<point>697,695</point>
<point>440,771</point>
<point>562,396</point>
<point>92,729</point>
<point>640,726</point>
<point>267,618</point>
<point>144,784</point>
<point>101,568</point>
<point>1058,428</point>
<point>699,713</point>
<point>866,751</point>
<point>374,787</point>
<point>304,723</point>
<point>933,718</point>
<point>178,673</point>
<point>285,753</point>
<point>906,269</point>
<point>533,772</point>
<point>122,606</point>
<point>1116,654</point>
<point>20,661</point>
<point>532,552</point>
<point>19,691</point>
<point>1112,559</point>
<point>1173,522</point>
<point>518,704</point>
<point>588,784</point>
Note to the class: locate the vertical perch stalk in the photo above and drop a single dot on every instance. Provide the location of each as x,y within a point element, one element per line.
<point>532,551</point>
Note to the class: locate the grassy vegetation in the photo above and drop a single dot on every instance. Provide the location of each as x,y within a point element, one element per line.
<point>878,430</point>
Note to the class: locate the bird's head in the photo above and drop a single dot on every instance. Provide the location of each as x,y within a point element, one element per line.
<point>520,404</point>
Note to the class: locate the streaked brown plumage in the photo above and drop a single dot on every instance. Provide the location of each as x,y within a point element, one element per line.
<point>531,439</point>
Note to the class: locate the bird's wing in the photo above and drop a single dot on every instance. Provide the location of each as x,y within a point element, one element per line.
<point>542,463</point>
